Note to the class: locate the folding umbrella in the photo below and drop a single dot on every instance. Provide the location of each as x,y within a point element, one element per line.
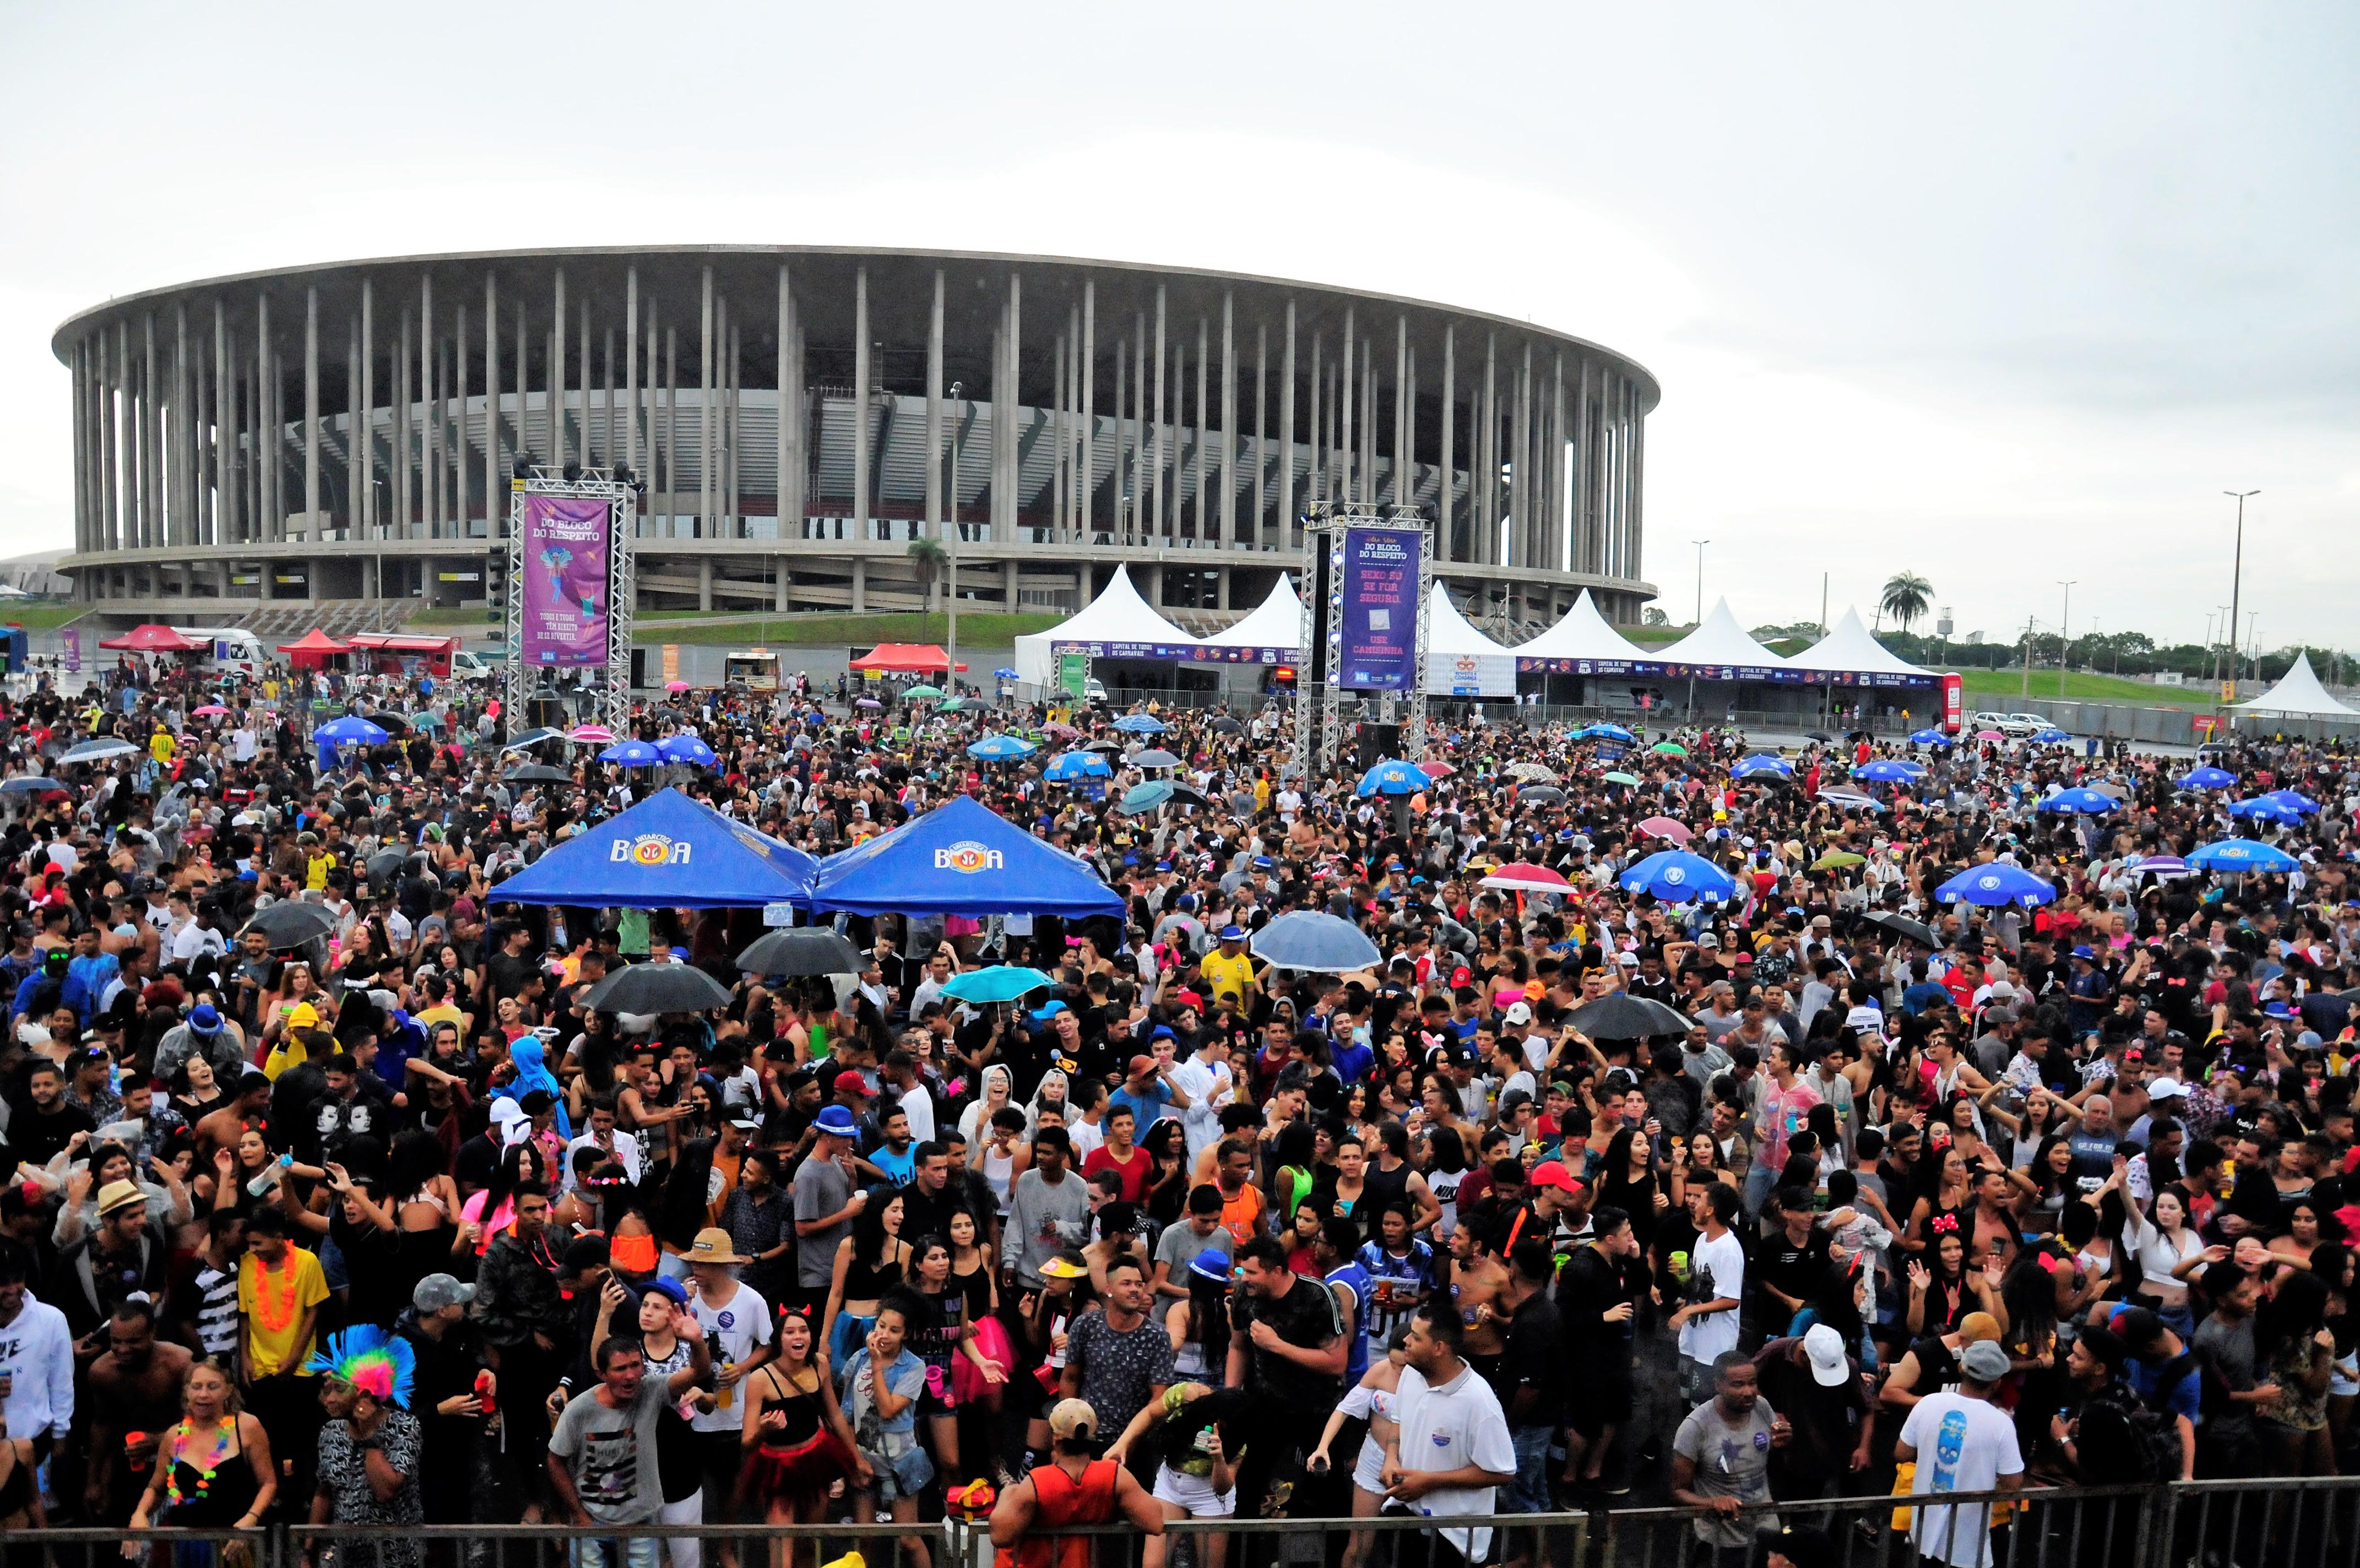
<point>1837,859</point>
<point>290,924</point>
<point>686,747</point>
<point>391,724</point>
<point>1105,747</point>
<point>801,951</point>
<point>1666,828</point>
<point>675,685</point>
<point>922,694</point>
<point>31,785</point>
<point>655,988</point>
<point>1228,727</point>
<point>1624,778</point>
<point>1146,797</point>
<point>533,737</point>
<point>1000,749</point>
<point>1004,673</point>
<point>591,735</point>
<point>2238,854</point>
<point>1189,795</point>
<point>538,773</point>
<point>1668,748</point>
<point>1153,756</point>
<point>2052,736</point>
<point>1622,1016</point>
<point>1679,877</point>
<point>210,711</point>
<point>1902,925</point>
<point>1525,878</point>
<point>1530,773</point>
<point>1541,794</point>
<point>1140,723</point>
<point>1001,983</point>
<point>1852,799</point>
<point>1747,768</point>
<point>1320,943</point>
<point>1994,884</point>
<point>2166,866</point>
<point>2089,802</point>
<point>1392,777</point>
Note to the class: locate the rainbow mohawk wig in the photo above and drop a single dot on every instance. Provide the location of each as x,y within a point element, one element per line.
<point>379,1364</point>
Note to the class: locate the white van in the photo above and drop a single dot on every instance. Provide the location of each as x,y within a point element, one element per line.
<point>233,650</point>
<point>466,666</point>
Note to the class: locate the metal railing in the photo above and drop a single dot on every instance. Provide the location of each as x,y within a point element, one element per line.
<point>2311,1521</point>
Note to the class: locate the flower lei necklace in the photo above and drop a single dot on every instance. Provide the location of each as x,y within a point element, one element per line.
<point>206,1472</point>
<point>286,1315</point>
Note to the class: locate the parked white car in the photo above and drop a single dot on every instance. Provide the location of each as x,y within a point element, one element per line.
<point>2016,726</point>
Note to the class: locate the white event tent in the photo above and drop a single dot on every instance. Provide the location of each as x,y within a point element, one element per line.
<point>1277,623</point>
<point>1851,649</point>
<point>2298,694</point>
<point>1117,615</point>
<point>1719,640</point>
<point>1583,633</point>
<point>1460,661</point>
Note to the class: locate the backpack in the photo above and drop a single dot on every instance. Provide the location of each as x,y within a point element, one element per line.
<point>2124,1438</point>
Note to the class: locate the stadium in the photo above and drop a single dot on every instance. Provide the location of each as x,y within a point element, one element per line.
<point>268,449</point>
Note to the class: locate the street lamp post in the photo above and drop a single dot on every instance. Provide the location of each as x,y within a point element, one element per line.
<point>951,565</point>
<point>2064,635</point>
<point>2236,584</point>
<point>1700,620</point>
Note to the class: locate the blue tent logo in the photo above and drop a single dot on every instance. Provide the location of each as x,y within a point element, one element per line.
<point>649,849</point>
<point>969,857</point>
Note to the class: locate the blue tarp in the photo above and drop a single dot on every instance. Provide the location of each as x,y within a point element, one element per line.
<point>960,859</point>
<point>666,852</point>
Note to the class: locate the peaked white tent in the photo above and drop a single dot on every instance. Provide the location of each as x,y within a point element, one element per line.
<point>1117,615</point>
<point>1583,633</point>
<point>2298,694</point>
<point>1460,661</point>
<point>1721,640</point>
<point>1277,622</point>
<point>1849,649</point>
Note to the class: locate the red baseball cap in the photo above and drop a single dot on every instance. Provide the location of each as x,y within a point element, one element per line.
<point>1552,1173</point>
<point>853,1083</point>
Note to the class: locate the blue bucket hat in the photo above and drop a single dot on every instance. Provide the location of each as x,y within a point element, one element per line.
<point>1210,1264</point>
<point>837,1122</point>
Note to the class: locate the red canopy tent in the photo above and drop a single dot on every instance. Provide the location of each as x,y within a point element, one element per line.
<point>921,658</point>
<point>153,638</point>
<point>313,650</point>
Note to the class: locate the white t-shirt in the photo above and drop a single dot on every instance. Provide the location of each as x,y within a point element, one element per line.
<point>1963,1445</point>
<point>1449,1426</point>
<point>1209,1086</point>
<point>1716,1270</point>
<point>742,1325</point>
<point>1085,1138</point>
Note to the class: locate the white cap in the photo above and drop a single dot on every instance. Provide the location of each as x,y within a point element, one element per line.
<point>2166,1089</point>
<point>1824,1347</point>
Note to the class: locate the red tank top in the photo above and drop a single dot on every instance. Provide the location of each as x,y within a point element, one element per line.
<point>1062,1501</point>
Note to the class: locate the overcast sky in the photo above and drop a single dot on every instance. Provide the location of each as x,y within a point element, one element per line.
<point>2003,298</point>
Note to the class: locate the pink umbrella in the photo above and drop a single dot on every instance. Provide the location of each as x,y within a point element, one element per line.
<point>210,711</point>
<point>1988,734</point>
<point>1436,770</point>
<point>592,734</point>
<point>1666,828</point>
<point>1521,878</point>
<point>675,685</point>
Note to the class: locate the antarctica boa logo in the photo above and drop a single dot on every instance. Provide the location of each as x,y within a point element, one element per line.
<point>968,855</point>
<point>650,850</point>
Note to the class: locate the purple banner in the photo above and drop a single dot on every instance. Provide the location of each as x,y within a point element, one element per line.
<point>71,637</point>
<point>565,557</point>
<point>1379,593</point>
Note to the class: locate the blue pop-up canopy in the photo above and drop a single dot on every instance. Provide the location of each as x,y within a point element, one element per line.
<point>666,852</point>
<point>960,859</point>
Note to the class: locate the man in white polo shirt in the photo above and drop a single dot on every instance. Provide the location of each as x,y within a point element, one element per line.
<point>1451,1449</point>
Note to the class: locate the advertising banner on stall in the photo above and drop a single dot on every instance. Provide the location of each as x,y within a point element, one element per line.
<point>566,547</point>
<point>1073,674</point>
<point>71,638</point>
<point>1380,609</point>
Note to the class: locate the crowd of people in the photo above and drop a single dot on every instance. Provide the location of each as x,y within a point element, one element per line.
<point>382,1227</point>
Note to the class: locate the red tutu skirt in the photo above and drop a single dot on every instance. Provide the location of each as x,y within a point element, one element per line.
<point>967,1379</point>
<point>802,1472</point>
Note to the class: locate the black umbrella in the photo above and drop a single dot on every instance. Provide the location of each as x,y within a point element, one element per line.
<point>655,988</point>
<point>383,866</point>
<point>1621,1016</point>
<point>1153,756</point>
<point>1546,794</point>
<point>1111,747</point>
<point>1902,925</point>
<point>805,950</point>
<point>1189,795</point>
<point>391,724</point>
<point>286,925</point>
<point>1818,736</point>
<point>1228,727</point>
<point>538,773</point>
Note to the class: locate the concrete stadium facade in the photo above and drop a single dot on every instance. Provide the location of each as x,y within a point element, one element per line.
<point>800,414</point>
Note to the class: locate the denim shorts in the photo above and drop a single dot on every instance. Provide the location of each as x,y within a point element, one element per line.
<point>902,1474</point>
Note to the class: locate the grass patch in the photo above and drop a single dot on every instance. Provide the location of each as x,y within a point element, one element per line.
<point>450,616</point>
<point>1998,687</point>
<point>979,629</point>
<point>42,617</point>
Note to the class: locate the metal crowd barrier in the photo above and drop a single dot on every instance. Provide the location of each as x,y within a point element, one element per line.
<point>2314,1522</point>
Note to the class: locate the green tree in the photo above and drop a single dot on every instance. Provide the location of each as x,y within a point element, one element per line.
<point>1906,597</point>
<point>930,561</point>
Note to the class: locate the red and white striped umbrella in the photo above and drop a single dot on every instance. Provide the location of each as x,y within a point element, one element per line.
<point>1522,877</point>
<point>1666,828</point>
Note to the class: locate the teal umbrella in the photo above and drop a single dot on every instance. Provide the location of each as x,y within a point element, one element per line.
<point>1148,796</point>
<point>1001,983</point>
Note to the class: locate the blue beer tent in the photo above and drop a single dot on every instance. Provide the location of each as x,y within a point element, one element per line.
<point>669,852</point>
<point>960,859</point>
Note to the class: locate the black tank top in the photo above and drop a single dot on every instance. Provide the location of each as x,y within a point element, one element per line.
<point>1381,1188</point>
<point>217,1502</point>
<point>802,1418</point>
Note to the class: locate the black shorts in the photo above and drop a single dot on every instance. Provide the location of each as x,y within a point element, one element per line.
<point>1601,1405</point>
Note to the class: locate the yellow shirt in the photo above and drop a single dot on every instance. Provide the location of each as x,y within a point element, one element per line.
<point>1229,978</point>
<point>273,1306</point>
<point>159,746</point>
<point>316,869</point>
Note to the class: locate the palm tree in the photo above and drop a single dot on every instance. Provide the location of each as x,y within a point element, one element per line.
<point>929,560</point>
<point>1906,595</point>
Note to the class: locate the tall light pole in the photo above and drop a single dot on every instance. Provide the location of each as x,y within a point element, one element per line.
<point>2064,639</point>
<point>1700,620</point>
<point>2237,584</point>
<point>951,566</point>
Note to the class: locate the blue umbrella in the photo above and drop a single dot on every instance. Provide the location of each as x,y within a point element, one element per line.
<point>686,747</point>
<point>1071,767</point>
<point>2264,809</point>
<point>1001,983</point>
<point>1148,796</point>
<point>1995,884</point>
<point>2052,736</point>
<point>1748,767</point>
<point>1930,738</point>
<point>2207,779</point>
<point>1004,673</point>
<point>1000,749</point>
<point>2092,802</point>
<point>1140,723</point>
<point>1390,777</point>
<point>632,754</point>
<point>348,731</point>
<point>1605,731</point>
<point>100,750</point>
<point>1679,877</point>
<point>1888,770</point>
<point>1324,944</point>
<point>2294,798</point>
<point>30,786</point>
<point>2241,854</point>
